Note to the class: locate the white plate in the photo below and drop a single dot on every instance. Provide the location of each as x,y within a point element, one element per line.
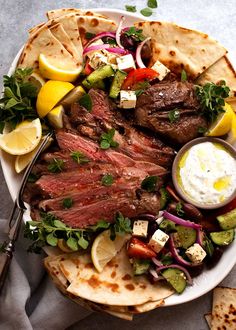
<point>204,282</point>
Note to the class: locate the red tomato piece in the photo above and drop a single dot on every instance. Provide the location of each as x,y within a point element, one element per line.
<point>138,75</point>
<point>140,250</point>
<point>87,69</point>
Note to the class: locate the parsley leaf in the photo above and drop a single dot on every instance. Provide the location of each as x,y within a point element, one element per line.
<point>122,225</point>
<point>174,115</point>
<point>56,165</point>
<point>136,33</point>
<point>86,102</point>
<point>141,87</point>
<point>146,12</point>
<point>79,157</point>
<point>131,9</point>
<point>152,3</point>
<point>149,183</point>
<point>106,140</point>
<point>179,209</point>
<point>89,35</point>
<point>67,203</point>
<point>211,98</point>
<point>107,180</point>
<point>32,178</point>
<point>184,76</point>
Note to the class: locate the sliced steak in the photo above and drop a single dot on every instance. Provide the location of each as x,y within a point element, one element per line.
<point>154,106</point>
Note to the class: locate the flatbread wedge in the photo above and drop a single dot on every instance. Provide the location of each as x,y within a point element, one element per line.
<point>179,48</point>
<point>52,14</point>
<point>224,309</point>
<point>208,318</point>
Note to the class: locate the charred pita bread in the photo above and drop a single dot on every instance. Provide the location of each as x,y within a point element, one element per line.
<point>35,28</point>
<point>52,14</point>
<point>221,70</point>
<point>208,318</point>
<point>224,309</point>
<point>179,48</point>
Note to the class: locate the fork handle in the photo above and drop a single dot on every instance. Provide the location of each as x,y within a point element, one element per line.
<point>5,261</point>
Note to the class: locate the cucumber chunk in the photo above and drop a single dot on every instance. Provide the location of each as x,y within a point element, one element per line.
<point>223,237</point>
<point>164,198</point>
<point>140,266</point>
<point>167,225</point>
<point>227,220</point>
<point>117,83</point>
<point>186,236</point>
<point>176,278</point>
<point>99,74</point>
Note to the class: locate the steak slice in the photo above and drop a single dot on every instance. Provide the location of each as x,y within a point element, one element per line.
<point>154,106</point>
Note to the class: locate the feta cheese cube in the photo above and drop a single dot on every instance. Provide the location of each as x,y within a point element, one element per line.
<point>126,63</point>
<point>196,253</point>
<point>161,69</point>
<point>140,228</point>
<point>97,60</point>
<point>95,43</point>
<point>127,99</point>
<point>158,240</point>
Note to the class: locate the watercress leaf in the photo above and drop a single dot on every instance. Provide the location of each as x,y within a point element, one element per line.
<point>82,242</point>
<point>79,157</point>
<point>131,9</point>
<point>51,240</point>
<point>174,115</point>
<point>59,224</point>
<point>135,33</point>
<point>8,93</point>
<point>72,243</point>
<point>184,76</point>
<point>146,12</point>
<point>56,165</point>
<point>86,102</point>
<point>149,183</point>
<point>67,203</point>
<point>114,144</point>
<point>102,224</point>
<point>11,103</point>
<point>107,180</point>
<point>152,3</point>
<point>179,209</point>
<point>202,130</point>
<point>122,225</point>
<point>104,144</point>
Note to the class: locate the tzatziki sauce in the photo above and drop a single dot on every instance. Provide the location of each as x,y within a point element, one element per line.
<point>207,173</point>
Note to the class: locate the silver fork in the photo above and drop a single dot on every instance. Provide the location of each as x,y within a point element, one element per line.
<point>14,222</point>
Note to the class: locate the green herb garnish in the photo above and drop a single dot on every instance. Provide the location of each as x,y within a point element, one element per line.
<point>184,76</point>
<point>19,98</point>
<point>152,3</point>
<point>56,165</point>
<point>32,178</point>
<point>106,140</point>
<point>149,183</point>
<point>107,180</point>
<point>122,225</point>
<point>86,102</point>
<point>135,33</point>
<point>211,98</point>
<point>179,209</point>
<point>202,130</point>
<point>174,115</point>
<point>141,87</point>
<point>67,203</point>
<point>89,35</point>
<point>79,157</point>
<point>146,12</point>
<point>131,9</point>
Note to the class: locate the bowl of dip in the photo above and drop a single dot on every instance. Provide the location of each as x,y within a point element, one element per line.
<point>204,172</point>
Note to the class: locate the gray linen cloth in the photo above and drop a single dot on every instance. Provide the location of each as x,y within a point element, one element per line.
<point>29,300</point>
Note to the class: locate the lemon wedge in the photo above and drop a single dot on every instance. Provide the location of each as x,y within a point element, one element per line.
<point>104,249</point>
<point>50,94</point>
<point>23,139</point>
<point>223,123</point>
<point>37,80</point>
<point>231,138</point>
<point>56,70</point>
<point>23,160</point>
<point>55,117</point>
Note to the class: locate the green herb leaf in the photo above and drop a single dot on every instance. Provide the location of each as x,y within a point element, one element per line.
<point>72,243</point>
<point>89,35</point>
<point>131,9</point>
<point>179,209</point>
<point>51,240</point>
<point>79,157</point>
<point>149,183</point>
<point>102,224</point>
<point>104,144</point>
<point>82,242</point>
<point>146,12</point>
<point>86,102</point>
<point>152,3</point>
<point>106,140</point>
<point>166,259</point>
<point>174,115</point>
<point>211,98</point>
<point>184,76</point>
<point>202,130</point>
<point>107,180</point>
<point>122,224</point>
<point>67,203</point>
<point>32,178</point>
<point>56,165</point>
<point>135,33</point>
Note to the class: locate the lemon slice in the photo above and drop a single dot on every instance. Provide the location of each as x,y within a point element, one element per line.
<point>55,117</point>
<point>23,139</point>
<point>223,123</point>
<point>104,249</point>
<point>52,69</point>
<point>23,160</point>
<point>37,80</point>
<point>231,138</point>
<point>50,94</point>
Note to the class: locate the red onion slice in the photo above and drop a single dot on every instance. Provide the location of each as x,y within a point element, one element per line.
<point>157,262</point>
<point>180,221</point>
<point>118,32</point>
<point>101,35</point>
<point>153,273</point>
<point>199,239</point>
<point>110,49</point>
<point>189,278</point>
<point>138,53</point>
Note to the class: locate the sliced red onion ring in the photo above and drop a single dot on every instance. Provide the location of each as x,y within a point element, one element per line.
<point>138,53</point>
<point>180,221</point>
<point>189,278</point>
<point>157,262</point>
<point>110,49</point>
<point>153,273</point>
<point>176,255</point>
<point>118,32</point>
<point>101,35</point>
<point>199,239</point>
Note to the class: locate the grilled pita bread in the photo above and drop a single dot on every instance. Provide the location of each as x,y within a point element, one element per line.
<point>221,70</point>
<point>179,48</point>
<point>52,14</point>
<point>35,28</point>
<point>208,319</point>
<point>224,309</point>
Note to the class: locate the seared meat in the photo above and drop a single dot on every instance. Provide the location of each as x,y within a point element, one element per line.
<point>154,106</point>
